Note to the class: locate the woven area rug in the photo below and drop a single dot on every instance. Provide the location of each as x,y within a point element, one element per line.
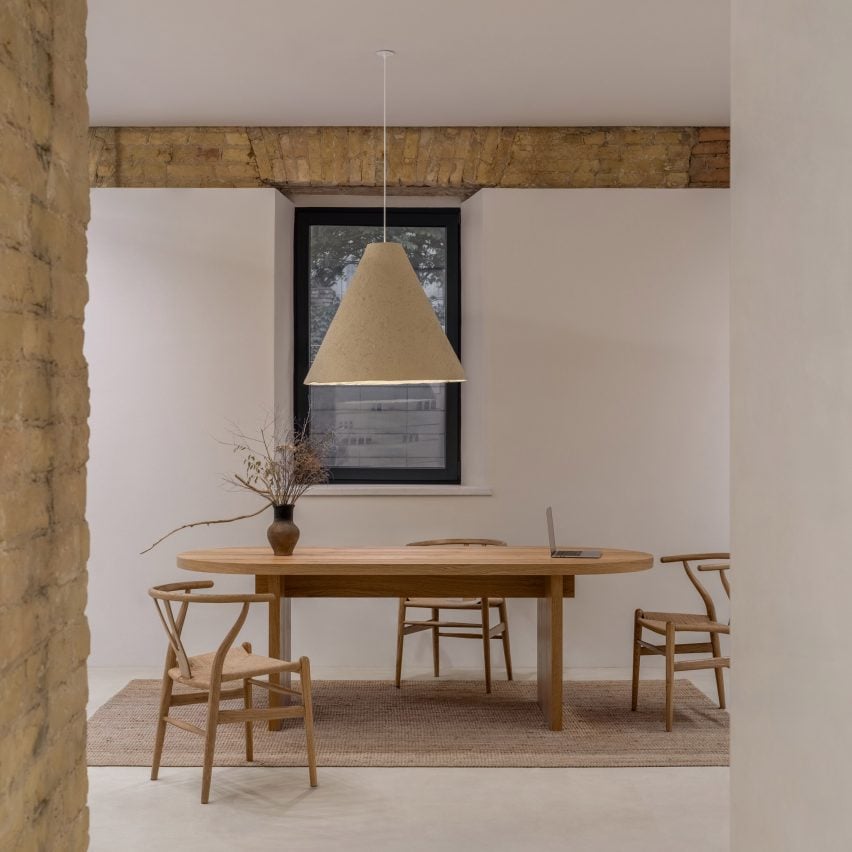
<point>433,723</point>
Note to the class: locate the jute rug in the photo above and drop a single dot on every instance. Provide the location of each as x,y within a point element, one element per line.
<point>434,723</point>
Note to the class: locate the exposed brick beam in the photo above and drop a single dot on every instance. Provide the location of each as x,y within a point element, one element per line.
<point>421,160</point>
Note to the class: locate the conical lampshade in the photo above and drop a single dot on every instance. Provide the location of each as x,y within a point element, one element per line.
<point>385,331</point>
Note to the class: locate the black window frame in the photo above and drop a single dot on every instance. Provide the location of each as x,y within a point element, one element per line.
<point>446,217</point>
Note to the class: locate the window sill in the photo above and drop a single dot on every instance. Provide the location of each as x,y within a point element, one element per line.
<point>344,490</point>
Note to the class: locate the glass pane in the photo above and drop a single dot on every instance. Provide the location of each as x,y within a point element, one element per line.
<point>377,425</point>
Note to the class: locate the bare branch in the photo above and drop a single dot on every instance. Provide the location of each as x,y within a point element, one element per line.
<point>206,523</point>
<point>279,465</point>
<point>240,482</point>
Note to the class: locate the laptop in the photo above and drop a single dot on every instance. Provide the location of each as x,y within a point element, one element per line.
<point>566,554</point>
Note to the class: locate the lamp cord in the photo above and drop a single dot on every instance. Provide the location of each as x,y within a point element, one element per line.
<point>384,147</point>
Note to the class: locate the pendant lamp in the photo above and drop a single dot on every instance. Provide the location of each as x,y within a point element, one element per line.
<point>385,331</point>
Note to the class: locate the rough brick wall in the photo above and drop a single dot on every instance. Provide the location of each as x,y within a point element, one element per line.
<point>710,157</point>
<point>421,160</point>
<point>44,638</point>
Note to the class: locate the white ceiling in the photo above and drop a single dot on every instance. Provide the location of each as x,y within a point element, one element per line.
<point>459,62</point>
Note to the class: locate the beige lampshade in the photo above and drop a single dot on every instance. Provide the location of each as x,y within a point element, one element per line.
<point>385,331</point>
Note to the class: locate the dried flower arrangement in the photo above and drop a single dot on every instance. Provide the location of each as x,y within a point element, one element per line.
<point>279,465</point>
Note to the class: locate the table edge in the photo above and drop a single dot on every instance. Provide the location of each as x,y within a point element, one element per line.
<point>639,561</point>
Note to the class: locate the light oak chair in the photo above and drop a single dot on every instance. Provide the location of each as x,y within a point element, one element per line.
<point>482,630</point>
<point>207,672</point>
<point>669,624</point>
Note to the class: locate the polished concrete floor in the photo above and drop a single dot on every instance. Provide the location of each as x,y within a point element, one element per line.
<point>588,810</point>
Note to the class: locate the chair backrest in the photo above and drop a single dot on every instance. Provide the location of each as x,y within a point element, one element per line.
<point>722,565</point>
<point>166,595</point>
<point>464,542</point>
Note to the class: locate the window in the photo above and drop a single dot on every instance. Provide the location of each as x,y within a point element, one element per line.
<point>383,434</point>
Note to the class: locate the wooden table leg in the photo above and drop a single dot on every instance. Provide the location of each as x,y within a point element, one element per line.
<point>279,641</point>
<point>286,632</point>
<point>550,653</point>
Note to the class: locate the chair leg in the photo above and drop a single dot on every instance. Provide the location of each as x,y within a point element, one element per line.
<point>210,740</point>
<point>507,651</point>
<point>637,658</point>
<point>670,655</point>
<point>400,624</point>
<point>249,736</point>
<point>436,650</point>
<point>159,739</point>
<point>720,675</point>
<point>305,678</point>
<point>486,645</point>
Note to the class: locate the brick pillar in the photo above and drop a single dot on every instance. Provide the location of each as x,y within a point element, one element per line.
<point>44,399</point>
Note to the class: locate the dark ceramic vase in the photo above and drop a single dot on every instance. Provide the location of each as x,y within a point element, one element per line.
<point>283,533</point>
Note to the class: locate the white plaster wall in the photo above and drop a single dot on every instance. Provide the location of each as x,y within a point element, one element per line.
<point>595,336</point>
<point>179,342</point>
<point>791,765</point>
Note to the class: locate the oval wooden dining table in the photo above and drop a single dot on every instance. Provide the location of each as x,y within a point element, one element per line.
<point>394,572</point>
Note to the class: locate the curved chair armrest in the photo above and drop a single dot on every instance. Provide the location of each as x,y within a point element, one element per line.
<point>187,586</point>
<point>181,592</point>
<point>694,557</point>
<point>265,597</point>
<point>686,558</point>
